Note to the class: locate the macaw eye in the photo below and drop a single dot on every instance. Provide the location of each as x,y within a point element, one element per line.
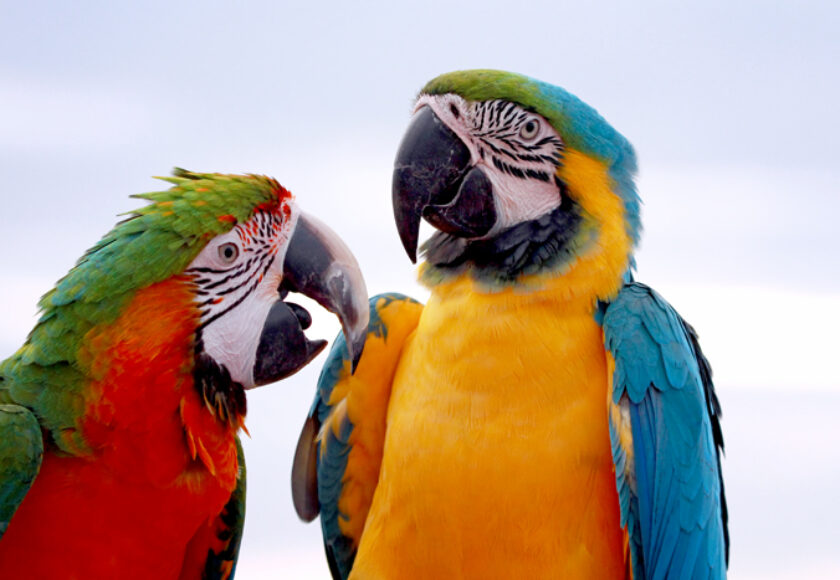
<point>530,129</point>
<point>228,252</point>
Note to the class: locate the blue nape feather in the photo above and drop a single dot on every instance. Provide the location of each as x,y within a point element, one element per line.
<point>598,138</point>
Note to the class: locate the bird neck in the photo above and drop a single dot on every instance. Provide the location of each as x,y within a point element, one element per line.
<point>581,251</point>
<point>540,246</point>
<point>135,378</point>
<point>144,402</point>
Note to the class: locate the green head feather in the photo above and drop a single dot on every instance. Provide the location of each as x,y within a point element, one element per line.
<point>153,244</point>
<point>161,239</point>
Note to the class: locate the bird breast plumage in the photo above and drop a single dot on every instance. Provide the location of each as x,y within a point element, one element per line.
<point>489,387</point>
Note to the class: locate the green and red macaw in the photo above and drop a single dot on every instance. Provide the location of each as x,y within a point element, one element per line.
<point>119,416</point>
<point>543,415</point>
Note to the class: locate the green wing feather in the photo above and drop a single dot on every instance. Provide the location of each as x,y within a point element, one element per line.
<point>21,450</point>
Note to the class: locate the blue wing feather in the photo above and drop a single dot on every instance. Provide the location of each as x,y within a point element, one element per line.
<point>332,455</point>
<point>332,447</point>
<point>671,497</point>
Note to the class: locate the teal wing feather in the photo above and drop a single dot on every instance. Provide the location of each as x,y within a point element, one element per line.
<point>669,480</point>
<point>21,451</point>
<point>319,466</point>
<point>321,459</point>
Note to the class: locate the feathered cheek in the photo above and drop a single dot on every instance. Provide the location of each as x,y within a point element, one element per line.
<point>232,339</point>
<point>520,200</point>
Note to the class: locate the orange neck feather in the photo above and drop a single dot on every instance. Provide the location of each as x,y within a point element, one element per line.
<point>142,409</point>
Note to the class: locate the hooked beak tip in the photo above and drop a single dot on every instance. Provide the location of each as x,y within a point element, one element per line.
<point>411,252</point>
<point>430,165</point>
<point>356,346</point>
<point>319,265</point>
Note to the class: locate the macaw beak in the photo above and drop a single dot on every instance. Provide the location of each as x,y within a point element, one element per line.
<point>435,180</point>
<point>320,266</point>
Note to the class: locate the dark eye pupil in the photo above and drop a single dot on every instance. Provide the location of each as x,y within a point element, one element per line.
<point>529,127</point>
<point>228,252</point>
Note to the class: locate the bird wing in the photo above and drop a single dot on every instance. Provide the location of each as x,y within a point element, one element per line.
<point>336,467</point>
<point>21,451</point>
<point>666,439</point>
<point>214,549</point>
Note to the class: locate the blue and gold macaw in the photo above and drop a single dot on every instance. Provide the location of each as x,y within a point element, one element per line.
<point>543,415</point>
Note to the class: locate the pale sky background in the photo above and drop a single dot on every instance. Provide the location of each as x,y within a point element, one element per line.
<point>732,107</point>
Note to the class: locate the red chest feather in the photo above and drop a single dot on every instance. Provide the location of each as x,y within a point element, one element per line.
<point>161,464</point>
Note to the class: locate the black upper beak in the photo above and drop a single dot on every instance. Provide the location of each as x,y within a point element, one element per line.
<point>318,265</point>
<point>433,179</point>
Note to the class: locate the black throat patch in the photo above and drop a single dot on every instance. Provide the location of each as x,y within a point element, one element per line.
<point>550,242</point>
<point>224,397</point>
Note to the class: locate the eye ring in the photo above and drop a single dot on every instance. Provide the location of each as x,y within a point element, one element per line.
<point>228,253</point>
<point>530,129</point>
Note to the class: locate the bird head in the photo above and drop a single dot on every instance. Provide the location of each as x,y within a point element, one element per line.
<point>189,290</point>
<point>236,245</point>
<point>249,245</point>
<point>518,176</point>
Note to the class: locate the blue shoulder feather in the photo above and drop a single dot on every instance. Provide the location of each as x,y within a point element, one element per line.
<point>669,483</point>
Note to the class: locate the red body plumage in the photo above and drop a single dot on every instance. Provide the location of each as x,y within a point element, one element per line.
<point>162,465</point>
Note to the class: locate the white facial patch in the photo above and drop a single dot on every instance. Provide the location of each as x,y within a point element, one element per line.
<point>237,276</point>
<point>518,150</point>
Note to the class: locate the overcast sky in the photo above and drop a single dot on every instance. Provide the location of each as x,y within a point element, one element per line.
<point>732,107</point>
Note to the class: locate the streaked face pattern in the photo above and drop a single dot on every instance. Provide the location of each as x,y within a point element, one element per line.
<point>519,150</point>
<point>236,278</point>
<point>233,265</point>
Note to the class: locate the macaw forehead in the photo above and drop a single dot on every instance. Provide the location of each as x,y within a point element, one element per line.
<point>579,125</point>
<point>159,240</point>
<point>203,205</point>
